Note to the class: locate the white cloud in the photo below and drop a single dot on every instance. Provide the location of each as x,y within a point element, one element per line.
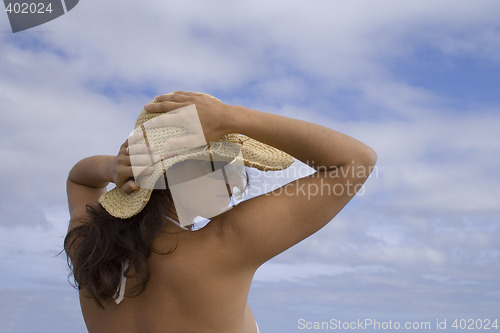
<point>275,272</point>
<point>74,89</point>
<point>231,44</point>
<point>29,254</point>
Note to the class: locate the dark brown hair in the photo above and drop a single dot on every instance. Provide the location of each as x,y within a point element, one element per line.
<point>97,249</point>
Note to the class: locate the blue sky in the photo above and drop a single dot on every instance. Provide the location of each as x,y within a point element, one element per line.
<point>418,81</point>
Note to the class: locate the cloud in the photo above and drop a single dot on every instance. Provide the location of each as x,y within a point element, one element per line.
<point>35,310</point>
<point>428,219</point>
<point>30,255</point>
<point>237,43</point>
<point>297,272</point>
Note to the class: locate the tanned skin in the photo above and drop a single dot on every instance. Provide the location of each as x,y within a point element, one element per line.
<point>203,285</point>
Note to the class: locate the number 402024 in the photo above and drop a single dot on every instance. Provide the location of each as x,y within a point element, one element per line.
<point>28,8</point>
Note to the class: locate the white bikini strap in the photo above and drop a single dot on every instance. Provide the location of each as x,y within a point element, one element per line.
<point>120,293</point>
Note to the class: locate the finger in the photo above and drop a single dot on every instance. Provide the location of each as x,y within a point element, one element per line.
<point>140,172</point>
<point>129,187</point>
<point>123,150</point>
<point>167,120</point>
<point>183,142</point>
<point>123,172</point>
<point>139,149</point>
<point>123,147</point>
<point>171,98</point>
<point>163,107</point>
<point>187,93</point>
<point>143,160</point>
<point>136,138</point>
<point>124,144</point>
<point>195,94</point>
<point>164,97</point>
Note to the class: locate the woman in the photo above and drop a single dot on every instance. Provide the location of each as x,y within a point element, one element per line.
<point>139,272</point>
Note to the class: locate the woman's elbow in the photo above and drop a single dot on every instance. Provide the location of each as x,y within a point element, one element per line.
<point>366,157</point>
<point>370,158</point>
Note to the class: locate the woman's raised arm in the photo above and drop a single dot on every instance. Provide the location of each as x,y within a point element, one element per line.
<point>260,228</point>
<point>320,147</point>
<point>89,177</point>
<point>87,181</point>
<point>316,145</point>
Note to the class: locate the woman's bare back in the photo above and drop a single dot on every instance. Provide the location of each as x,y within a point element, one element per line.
<point>193,289</point>
<point>203,285</point>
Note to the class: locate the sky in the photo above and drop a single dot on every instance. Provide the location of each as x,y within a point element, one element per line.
<point>417,81</point>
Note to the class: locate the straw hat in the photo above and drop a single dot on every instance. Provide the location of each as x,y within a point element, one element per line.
<point>250,153</point>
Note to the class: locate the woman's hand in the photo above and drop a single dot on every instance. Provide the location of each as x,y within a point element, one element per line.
<point>212,115</point>
<point>130,163</point>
